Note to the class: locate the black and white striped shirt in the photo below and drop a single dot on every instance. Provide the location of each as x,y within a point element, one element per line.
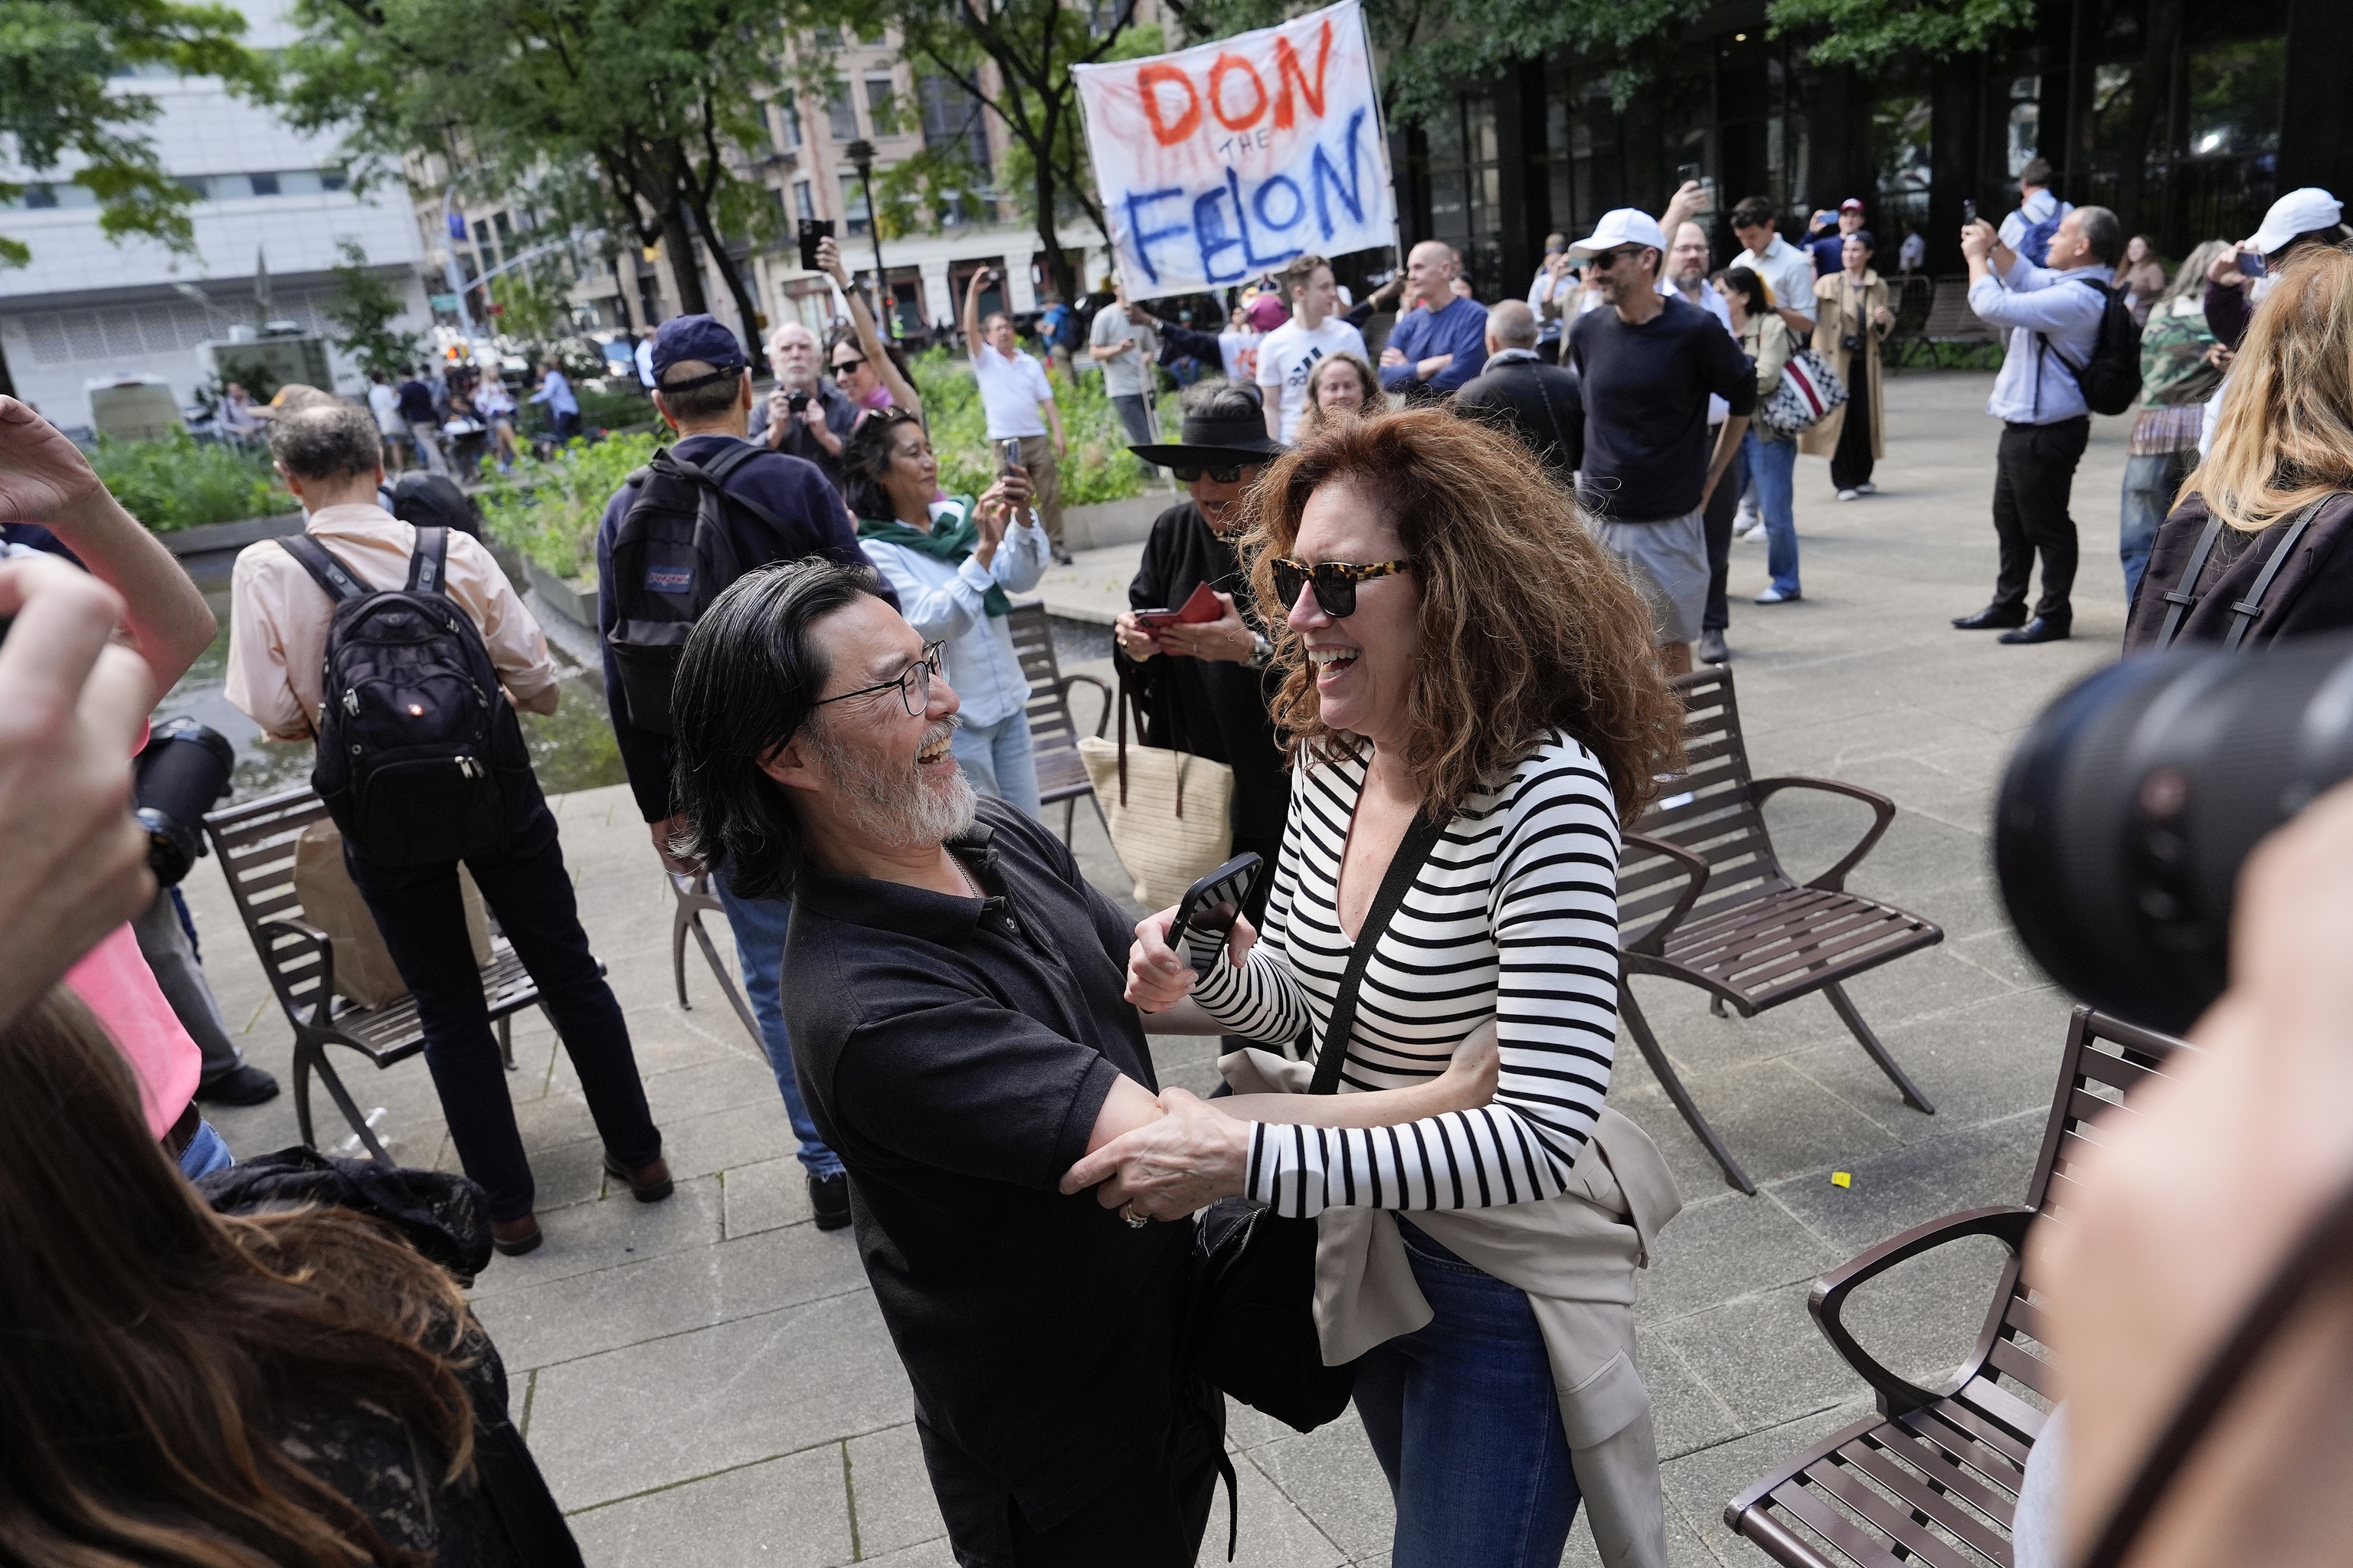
<point>1514,914</point>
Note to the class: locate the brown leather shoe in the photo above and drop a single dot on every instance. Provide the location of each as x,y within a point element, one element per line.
<point>648,1183</point>
<point>516,1237</point>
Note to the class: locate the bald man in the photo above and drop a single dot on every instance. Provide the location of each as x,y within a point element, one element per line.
<point>1521,393</point>
<point>1434,351</point>
<point>818,428</point>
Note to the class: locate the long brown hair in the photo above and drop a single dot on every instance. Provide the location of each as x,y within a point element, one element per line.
<point>153,1350</point>
<point>1525,624</point>
<point>2285,437</point>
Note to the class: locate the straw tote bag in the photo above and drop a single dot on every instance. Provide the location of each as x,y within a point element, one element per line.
<point>1170,812</point>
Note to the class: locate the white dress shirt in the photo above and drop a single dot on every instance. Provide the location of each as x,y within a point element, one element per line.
<point>1788,269</point>
<point>944,603</point>
<point>2045,313</point>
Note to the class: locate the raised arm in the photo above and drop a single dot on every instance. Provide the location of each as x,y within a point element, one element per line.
<point>870,339</point>
<point>972,341</point>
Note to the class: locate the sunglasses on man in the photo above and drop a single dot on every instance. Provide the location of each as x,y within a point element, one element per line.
<point>1186,475</point>
<point>1335,582</point>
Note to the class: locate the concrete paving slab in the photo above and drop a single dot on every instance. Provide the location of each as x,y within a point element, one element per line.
<point>792,1512</point>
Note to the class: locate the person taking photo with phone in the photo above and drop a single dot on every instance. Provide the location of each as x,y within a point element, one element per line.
<point>1019,403</point>
<point>864,367</point>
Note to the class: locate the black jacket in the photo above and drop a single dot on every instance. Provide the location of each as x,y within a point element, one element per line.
<point>2313,592</point>
<point>1538,403</point>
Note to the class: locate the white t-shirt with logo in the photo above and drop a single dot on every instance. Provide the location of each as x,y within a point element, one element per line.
<point>1288,357</point>
<point>1010,391</point>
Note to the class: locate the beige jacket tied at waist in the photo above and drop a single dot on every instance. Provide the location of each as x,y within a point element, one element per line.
<point>1575,1256</point>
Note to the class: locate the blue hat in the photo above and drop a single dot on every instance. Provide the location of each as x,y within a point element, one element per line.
<point>683,338</point>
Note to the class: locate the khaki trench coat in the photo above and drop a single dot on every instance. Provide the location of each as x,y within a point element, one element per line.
<point>1575,1256</point>
<point>1841,308</point>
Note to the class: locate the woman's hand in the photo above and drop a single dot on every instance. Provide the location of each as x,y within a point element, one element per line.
<point>1188,1159</point>
<point>1134,639</point>
<point>1227,638</point>
<point>1468,1081</point>
<point>1882,316</point>
<point>829,262</point>
<point>1159,976</point>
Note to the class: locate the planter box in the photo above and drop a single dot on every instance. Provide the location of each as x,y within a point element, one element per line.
<point>1114,521</point>
<point>566,598</point>
<point>217,536</point>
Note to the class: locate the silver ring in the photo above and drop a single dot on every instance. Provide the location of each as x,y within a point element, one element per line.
<point>1134,1221</point>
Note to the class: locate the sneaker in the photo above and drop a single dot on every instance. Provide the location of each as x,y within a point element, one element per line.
<point>1850,495</point>
<point>1747,529</point>
<point>1712,649</point>
<point>243,1086</point>
<point>830,1196</point>
<point>1061,558</point>
<point>1867,488</point>
<point>1774,596</point>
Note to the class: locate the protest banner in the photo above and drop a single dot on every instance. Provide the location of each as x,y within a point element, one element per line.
<point>1221,162</point>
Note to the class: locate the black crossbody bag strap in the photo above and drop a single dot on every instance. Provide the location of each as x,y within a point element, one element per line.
<point>2247,609</point>
<point>1404,866</point>
<point>2183,597</point>
<point>320,562</point>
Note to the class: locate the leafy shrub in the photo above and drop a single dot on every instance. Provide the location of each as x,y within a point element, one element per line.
<point>548,511</point>
<point>177,484</point>
<point>1099,467</point>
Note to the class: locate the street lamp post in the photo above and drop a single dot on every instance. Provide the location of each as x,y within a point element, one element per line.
<point>862,157</point>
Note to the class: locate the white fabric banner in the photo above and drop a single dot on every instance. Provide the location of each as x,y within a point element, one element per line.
<point>1222,162</point>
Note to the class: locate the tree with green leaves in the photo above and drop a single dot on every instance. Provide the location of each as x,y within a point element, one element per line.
<point>60,98</point>
<point>635,114</point>
<point>1032,44</point>
<point>1868,33</point>
<point>362,313</point>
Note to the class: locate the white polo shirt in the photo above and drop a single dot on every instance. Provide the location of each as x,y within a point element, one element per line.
<point>1010,391</point>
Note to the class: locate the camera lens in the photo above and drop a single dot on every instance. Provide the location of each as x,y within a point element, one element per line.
<point>2133,801</point>
<point>183,768</point>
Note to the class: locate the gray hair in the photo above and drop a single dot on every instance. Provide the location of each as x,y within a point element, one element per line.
<point>326,440</point>
<point>1513,324</point>
<point>1215,398</point>
<point>2103,232</point>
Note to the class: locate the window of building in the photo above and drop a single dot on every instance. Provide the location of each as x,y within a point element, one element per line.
<point>788,124</point>
<point>840,113</point>
<point>263,184</point>
<point>803,200</point>
<point>853,205</point>
<point>828,38</point>
<point>882,106</point>
<point>299,182</point>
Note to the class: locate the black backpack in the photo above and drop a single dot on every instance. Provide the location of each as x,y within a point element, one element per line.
<point>420,760</point>
<point>433,501</point>
<point>2110,379</point>
<point>670,558</point>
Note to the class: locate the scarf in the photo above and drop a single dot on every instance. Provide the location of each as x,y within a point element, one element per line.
<point>944,543</point>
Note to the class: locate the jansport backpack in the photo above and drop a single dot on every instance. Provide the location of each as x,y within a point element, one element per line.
<point>670,558</point>
<point>420,760</point>
<point>2110,379</point>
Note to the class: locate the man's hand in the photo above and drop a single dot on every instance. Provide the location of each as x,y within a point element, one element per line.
<point>71,704</point>
<point>2221,357</point>
<point>1188,1159</point>
<point>813,416</point>
<point>1158,976</point>
<point>1978,240</point>
<point>1428,368</point>
<point>1689,200</point>
<point>43,476</point>
<point>1225,640</point>
<point>780,415</point>
<point>1392,356</point>
<point>663,832</point>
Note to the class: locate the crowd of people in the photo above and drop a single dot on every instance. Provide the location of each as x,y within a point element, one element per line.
<point>1451,584</point>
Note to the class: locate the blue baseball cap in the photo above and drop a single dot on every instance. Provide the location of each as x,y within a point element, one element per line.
<point>683,338</point>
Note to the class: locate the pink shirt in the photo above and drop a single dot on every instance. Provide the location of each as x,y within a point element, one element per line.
<point>114,980</point>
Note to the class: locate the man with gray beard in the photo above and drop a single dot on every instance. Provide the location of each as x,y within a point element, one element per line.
<point>955,996</point>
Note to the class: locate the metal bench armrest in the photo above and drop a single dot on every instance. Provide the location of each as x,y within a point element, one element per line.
<point>2006,1223</point>
<point>1882,809</point>
<point>264,931</point>
<point>1654,939</point>
<point>1102,713</point>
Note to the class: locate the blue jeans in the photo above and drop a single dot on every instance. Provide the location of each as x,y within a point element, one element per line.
<point>1000,760</point>
<point>207,1152</point>
<point>1772,469</point>
<point>2150,484</point>
<point>1465,1423</point>
<point>760,926</point>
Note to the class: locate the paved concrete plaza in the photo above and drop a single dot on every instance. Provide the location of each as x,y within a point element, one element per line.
<point>707,1383</point>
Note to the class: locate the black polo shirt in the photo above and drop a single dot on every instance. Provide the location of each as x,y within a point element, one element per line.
<point>954,1053</point>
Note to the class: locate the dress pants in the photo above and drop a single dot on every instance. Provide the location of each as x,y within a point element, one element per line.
<point>424,924</point>
<point>1718,520</point>
<point>1046,480</point>
<point>1850,464</point>
<point>2034,469</point>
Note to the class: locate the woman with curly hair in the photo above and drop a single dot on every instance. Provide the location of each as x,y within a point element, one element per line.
<point>1465,676</point>
<point>181,1388</point>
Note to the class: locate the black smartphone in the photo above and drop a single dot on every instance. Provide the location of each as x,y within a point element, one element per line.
<point>1211,906</point>
<point>1009,454</point>
<point>1968,211</point>
<point>813,229</point>
<point>2251,263</point>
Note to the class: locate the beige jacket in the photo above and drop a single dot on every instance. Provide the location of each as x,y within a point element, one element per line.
<point>1575,1256</point>
<point>1839,308</point>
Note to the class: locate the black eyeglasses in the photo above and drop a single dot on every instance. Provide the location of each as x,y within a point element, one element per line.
<point>1217,476</point>
<point>1335,582</point>
<point>844,367</point>
<point>913,683</point>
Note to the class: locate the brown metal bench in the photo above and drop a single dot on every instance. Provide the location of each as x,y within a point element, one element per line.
<point>255,842</point>
<point>1702,898</point>
<point>1951,322</point>
<point>1934,1478</point>
<point>1053,733</point>
<point>691,900</point>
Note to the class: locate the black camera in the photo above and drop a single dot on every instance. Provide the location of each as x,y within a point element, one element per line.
<point>2132,802</point>
<point>1850,340</point>
<point>175,778</point>
<point>796,401</point>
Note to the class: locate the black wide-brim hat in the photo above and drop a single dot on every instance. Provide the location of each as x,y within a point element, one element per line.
<point>1210,442</point>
